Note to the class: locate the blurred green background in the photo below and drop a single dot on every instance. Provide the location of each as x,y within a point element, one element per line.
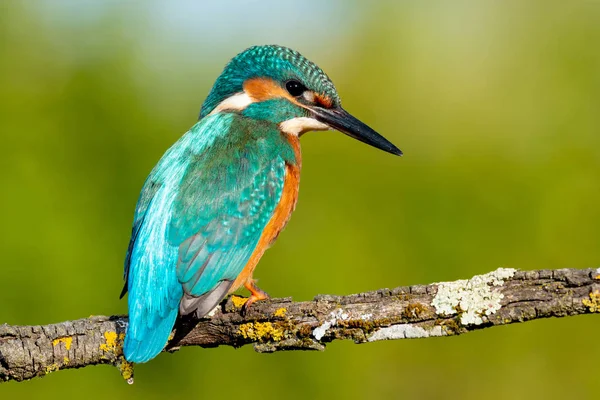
<point>495,104</point>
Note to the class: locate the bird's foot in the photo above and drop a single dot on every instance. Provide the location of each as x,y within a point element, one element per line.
<point>256,294</point>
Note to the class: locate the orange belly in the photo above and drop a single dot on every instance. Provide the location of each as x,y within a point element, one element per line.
<point>281,216</point>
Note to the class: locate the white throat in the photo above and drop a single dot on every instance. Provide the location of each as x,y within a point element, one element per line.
<point>299,125</point>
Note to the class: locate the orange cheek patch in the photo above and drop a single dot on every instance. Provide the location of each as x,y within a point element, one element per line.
<point>261,89</point>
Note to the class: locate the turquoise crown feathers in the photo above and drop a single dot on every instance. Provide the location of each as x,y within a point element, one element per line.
<point>270,61</point>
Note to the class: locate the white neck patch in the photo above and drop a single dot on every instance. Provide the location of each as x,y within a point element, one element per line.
<point>300,125</point>
<point>236,102</point>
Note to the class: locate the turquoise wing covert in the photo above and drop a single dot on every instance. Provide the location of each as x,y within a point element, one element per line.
<point>199,218</point>
<point>225,201</point>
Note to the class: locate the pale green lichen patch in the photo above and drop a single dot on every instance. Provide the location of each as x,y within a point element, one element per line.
<point>405,331</point>
<point>335,316</point>
<point>474,298</point>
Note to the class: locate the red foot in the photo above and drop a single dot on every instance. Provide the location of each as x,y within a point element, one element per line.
<point>255,295</point>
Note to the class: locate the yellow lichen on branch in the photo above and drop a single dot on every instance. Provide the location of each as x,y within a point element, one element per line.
<point>238,301</point>
<point>113,343</point>
<point>67,340</point>
<point>594,302</point>
<point>260,331</point>
<point>280,312</point>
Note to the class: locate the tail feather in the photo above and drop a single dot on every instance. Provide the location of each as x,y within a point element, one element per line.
<point>151,343</point>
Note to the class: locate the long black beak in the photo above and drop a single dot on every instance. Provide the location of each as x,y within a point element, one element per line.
<point>340,119</point>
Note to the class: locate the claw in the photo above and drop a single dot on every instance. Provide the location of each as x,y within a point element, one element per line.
<point>256,294</point>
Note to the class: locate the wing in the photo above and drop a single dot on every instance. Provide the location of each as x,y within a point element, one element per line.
<point>154,292</point>
<point>227,197</point>
<point>148,191</point>
<point>200,215</point>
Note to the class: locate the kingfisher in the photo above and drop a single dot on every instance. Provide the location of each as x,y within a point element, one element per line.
<point>220,196</point>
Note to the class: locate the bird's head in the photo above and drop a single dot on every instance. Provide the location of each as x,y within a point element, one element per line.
<point>279,85</point>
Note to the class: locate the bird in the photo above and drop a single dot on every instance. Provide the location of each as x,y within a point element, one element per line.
<point>220,196</point>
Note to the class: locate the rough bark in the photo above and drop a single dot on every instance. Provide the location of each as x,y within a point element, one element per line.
<point>504,296</point>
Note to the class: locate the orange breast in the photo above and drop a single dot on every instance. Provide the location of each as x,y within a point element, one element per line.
<point>281,216</point>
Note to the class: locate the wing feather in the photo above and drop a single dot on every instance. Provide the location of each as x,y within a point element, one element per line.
<point>229,225</point>
<point>199,218</point>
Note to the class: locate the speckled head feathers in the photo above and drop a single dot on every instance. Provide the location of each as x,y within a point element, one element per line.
<point>271,61</point>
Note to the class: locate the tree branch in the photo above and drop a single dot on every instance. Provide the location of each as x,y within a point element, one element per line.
<point>501,297</point>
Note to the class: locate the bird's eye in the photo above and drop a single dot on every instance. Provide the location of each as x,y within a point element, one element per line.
<point>295,88</point>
